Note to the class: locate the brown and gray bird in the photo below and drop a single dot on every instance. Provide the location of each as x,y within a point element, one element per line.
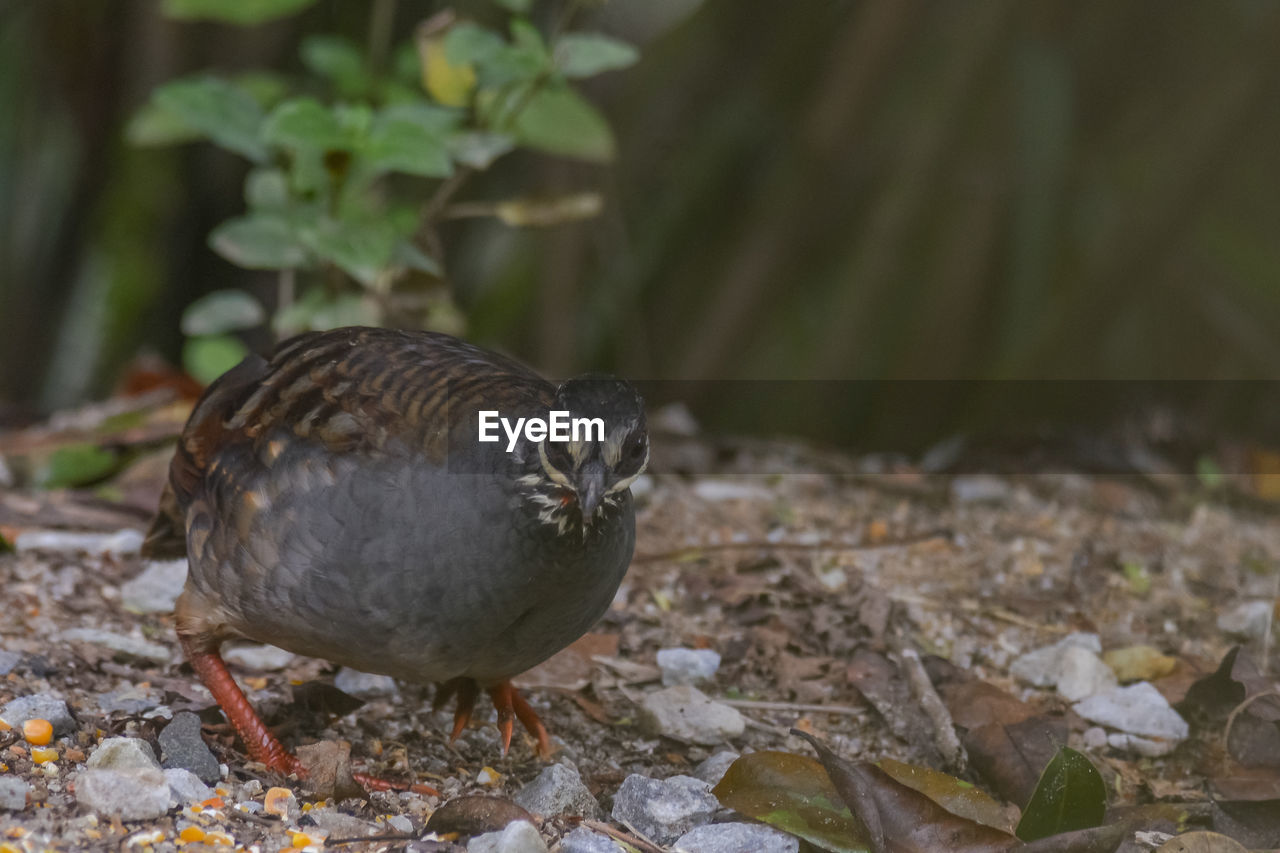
<point>335,501</point>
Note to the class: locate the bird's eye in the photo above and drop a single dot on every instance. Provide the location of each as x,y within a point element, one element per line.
<point>635,449</point>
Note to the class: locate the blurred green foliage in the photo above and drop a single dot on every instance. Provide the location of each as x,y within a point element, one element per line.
<point>327,191</point>
<point>879,189</point>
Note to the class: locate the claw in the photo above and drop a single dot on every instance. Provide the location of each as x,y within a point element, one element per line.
<point>467,691</point>
<point>502,703</point>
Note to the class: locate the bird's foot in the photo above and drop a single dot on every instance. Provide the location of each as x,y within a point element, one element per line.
<point>263,746</point>
<point>509,704</point>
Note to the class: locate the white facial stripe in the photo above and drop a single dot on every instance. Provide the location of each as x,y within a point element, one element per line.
<point>553,472</point>
<point>623,485</point>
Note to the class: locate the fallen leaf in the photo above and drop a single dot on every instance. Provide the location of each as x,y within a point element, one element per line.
<point>475,814</point>
<point>1201,842</point>
<point>900,818</point>
<point>328,769</point>
<point>792,793</point>
<point>1070,796</point>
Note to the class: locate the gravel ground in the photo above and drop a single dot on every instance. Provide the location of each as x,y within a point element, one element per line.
<point>786,578</point>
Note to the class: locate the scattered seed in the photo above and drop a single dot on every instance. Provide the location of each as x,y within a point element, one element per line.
<point>37,731</point>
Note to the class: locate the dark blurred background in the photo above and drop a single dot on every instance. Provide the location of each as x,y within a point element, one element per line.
<point>825,189</point>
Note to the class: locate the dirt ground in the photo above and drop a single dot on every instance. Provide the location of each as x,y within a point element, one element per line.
<point>801,581</point>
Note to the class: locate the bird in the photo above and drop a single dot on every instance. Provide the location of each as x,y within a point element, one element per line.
<point>335,500</point>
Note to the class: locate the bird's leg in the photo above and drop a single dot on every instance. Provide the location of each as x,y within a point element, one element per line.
<point>510,706</point>
<point>466,691</point>
<point>263,746</point>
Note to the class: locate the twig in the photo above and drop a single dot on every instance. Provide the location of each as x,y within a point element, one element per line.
<point>388,836</point>
<point>944,728</point>
<point>765,545</point>
<point>637,840</point>
<point>798,707</point>
<point>1235,712</point>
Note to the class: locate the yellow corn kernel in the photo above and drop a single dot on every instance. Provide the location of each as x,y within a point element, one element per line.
<point>38,731</point>
<point>41,754</point>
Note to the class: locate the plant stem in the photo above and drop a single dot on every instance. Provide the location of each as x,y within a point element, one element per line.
<point>382,16</point>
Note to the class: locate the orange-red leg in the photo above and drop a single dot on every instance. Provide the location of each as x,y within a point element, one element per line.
<point>510,706</point>
<point>263,746</point>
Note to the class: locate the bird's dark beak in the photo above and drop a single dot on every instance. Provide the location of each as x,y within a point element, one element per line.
<point>590,487</point>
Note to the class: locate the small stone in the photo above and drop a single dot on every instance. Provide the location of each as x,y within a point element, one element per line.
<point>558,790</point>
<point>39,706</point>
<point>131,794</point>
<point>686,714</point>
<point>365,685</point>
<point>1145,747</point>
<point>123,753</point>
<point>1248,620</point>
<point>736,838</point>
<point>518,837</point>
<point>687,666</point>
<point>259,658</point>
<point>156,589</point>
<point>664,809</point>
<point>340,824</point>
<point>182,746</point>
<point>1139,663</point>
<point>130,699</point>
<point>1082,674</point>
<point>400,823</point>
<point>1042,667</point>
<point>135,647</point>
<point>715,491</point>
<point>979,488</point>
<point>583,840</point>
<point>712,769</point>
<point>1137,709</point>
<point>1095,737</point>
<point>8,661</point>
<point>122,543</point>
<point>13,794</point>
<point>185,787</point>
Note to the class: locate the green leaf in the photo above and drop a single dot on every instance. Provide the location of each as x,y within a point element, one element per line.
<point>497,62</point>
<point>363,250</point>
<point>338,60</point>
<point>209,356</point>
<point>588,54</point>
<point>794,794</point>
<point>558,120</point>
<point>427,116</point>
<point>259,241</point>
<point>266,189</point>
<point>222,311</point>
<point>217,109</point>
<point>152,125</point>
<point>411,257</point>
<point>244,13</point>
<point>1070,795</point>
<point>317,311</point>
<point>403,146</point>
<point>75,465</point>
<point>957,796</point>
<point>471,44</point>
<point>307,124</point>
<point>479,150</point>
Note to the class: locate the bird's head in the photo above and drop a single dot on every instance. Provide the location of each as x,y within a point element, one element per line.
<point>608,446</point>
